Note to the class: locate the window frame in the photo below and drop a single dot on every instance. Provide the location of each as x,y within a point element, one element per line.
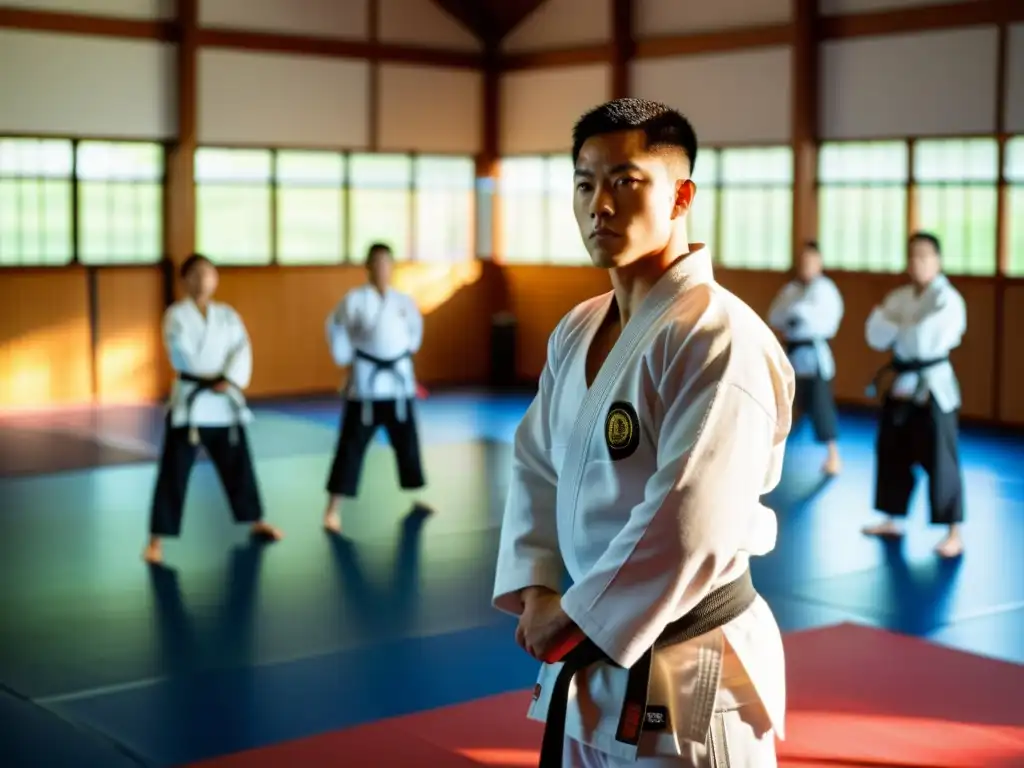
<point>406,251</point>
<point>75,213</point>
<point>1011,190</point>
<point>902,184</point>
<point>543,197</point>
<point>722,187</point>
<point>992,184</point>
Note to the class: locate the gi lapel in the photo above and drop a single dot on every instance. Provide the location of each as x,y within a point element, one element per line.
<point>661,297</point>
<point>207,327</point>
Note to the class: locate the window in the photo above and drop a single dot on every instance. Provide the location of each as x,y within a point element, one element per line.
<point>538,225</point>
<point>120,202</point>
<point>486,213</point>
<point>381,210</point>
<point>310,207</point>
<point>703,216</point>
<point>955,185</point>
<point>862,205</point>
<point>36,185</point>
<point>443,199</point>
<point>522,206</point>
<point>1013,170</point>
<point>563,244</point>
<point>233,223</point>
<point>756,207</point>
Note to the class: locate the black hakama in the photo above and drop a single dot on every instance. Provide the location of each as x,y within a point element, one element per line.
<point>923,435</point>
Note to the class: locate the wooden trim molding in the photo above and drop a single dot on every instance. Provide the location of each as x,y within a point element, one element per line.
<point>922,19</point>
<point>334,47</point>
<point>87,24</point>
<point>169,31</point>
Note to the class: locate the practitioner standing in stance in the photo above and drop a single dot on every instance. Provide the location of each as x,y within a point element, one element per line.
<point>376,330</point>
<point>660,422</point>
<point>211,356</point>
<point>920,324</point>
<point>807,312</point>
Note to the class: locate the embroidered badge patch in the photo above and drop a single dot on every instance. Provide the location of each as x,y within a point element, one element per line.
<point>621,430</point>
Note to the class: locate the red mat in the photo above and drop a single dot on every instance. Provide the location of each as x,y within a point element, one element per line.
<point>857,697</point>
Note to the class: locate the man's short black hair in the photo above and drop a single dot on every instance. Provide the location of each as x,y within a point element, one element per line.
<point>374,249</point>
<point>663,126</point>
<point>926,237</point>
<point>191,263</point>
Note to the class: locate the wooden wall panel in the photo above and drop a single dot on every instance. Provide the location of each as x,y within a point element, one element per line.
<point>130,360</point>
<point>79,85</point>
<point>45,342</point>
<point>1012,405</point>
<point>538,297</point>
<point>758,81</point>
<point>45,356</point>
<point>561,24</point>
<point>285,310</point>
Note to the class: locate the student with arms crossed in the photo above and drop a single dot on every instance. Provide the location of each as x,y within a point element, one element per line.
<point>920,324</point>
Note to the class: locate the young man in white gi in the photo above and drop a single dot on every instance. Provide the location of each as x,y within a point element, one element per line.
<point>210,353</point>
<point>375,330</point>
<point>807,312</point>
<point>660,422</point>
<point>920,323</point>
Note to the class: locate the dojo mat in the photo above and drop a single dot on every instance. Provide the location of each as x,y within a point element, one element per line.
<point>381,647</point>
<point>857,697</point>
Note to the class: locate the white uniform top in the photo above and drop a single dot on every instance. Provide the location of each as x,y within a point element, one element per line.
<point>707,392</point>
<point>386,327</point>
<point>809,312</point>
<point>210,346</point>
<point>918,327</point>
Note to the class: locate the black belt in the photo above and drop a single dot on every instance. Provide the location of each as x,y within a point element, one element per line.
<point>205,384</point>
<point>791,346</point>
<point>897,366</point>
<point>380,365</point>
<point>717,609</point>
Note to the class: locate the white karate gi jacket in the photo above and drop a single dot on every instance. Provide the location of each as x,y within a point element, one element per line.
<point>211,346</point>
<point>922,326</point>
<point>646,488</point>
<point>385,327</point>
<point>812,313</point>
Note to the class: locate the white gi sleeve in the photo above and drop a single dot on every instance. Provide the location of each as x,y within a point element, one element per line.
<point>528,553</point>
<point>940,330</point>
<point>714,459</point>
<point>883,325</point>
<point>415,323</point>
<point>819,311</point>
<point>778,312</point>
<point>181,347</point>
<point>338,339</point>
<point>238,369</point>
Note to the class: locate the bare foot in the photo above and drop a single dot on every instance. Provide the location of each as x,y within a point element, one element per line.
<point>951,546</point>
<point>153,553</point>
<point>332,522</point>
<point>888,529</point>
<point>832,466</point>
<point>266,531</point>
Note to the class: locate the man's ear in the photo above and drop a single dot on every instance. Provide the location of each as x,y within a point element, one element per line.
<point>685,192</point>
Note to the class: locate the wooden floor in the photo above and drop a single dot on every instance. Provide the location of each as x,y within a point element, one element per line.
<point>233,646</point>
